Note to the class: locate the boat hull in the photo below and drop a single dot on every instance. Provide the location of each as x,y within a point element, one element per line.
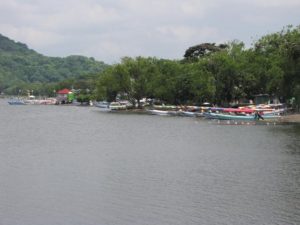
<point>158,112</point>
<point>221,116</point>
<point>102,106</point>
<point>16,102</point>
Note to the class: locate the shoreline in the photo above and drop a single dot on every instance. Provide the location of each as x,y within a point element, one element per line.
<point>285,119</point>
<point>291,118</point>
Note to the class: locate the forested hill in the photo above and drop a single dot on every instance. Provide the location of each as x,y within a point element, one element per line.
<point>18,64</point>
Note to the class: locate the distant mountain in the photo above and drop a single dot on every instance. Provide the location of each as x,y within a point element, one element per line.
<point>18,63</point>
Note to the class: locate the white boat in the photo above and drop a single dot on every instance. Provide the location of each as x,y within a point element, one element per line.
<point>48,101</point>
<point>103,106</point>
<point>117,106</point>
<point>187,113</point>
<point>158,112</point>
<point>165,107</point>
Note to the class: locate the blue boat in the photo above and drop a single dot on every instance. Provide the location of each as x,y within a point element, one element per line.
<point>16,101</point>
<point>248,117</point>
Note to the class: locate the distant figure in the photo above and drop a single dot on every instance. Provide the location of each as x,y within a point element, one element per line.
<point>258,116</point>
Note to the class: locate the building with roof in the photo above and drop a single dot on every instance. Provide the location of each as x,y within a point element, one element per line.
<point>64,96</point>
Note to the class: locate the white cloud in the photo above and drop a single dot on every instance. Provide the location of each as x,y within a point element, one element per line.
<point>186,33</point>
<point>34,38</point>
<point>80,16</point>
<point>197,7</point>
<point>277,3</point>
<point>59,17</point>
<point>108,30</point>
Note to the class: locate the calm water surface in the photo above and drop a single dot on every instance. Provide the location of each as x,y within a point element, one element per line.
<point>67,165</point>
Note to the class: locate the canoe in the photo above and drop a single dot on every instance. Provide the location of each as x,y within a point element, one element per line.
<point>16,102</point>
<point>158,112</point>
<point>222,116</point>
<point>190,114</point>
<point>102,106</point>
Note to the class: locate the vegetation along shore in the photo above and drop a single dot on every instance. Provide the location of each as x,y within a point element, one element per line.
<point>222,74</point>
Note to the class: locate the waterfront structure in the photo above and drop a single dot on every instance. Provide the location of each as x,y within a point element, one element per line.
<point>65,96</point>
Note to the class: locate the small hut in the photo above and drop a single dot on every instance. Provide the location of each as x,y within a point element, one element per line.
<point>64,96</point>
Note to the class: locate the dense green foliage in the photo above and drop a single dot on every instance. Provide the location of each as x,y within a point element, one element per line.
<point>201,50</point>
<point>216,73</point>
<point>219,74</point>
<point>24,69</point>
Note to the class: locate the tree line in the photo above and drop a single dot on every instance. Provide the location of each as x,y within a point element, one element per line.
<point>215,73</point>
<point>208,72</point>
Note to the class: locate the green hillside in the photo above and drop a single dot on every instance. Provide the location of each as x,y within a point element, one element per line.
<point>21,66</point>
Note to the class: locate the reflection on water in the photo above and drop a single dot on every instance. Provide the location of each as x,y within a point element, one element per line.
<point>76,165</point>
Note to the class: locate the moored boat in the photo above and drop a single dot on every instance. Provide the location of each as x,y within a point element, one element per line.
<point>256,116</point>
<point>103,106</point>
<point>16,101</point>
<point>187,113</point>
<point>48,101</point>
<point>158,112</point>
<point>164,107</point>
<point>117,106</point>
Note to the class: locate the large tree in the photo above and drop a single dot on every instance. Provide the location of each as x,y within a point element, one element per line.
<point>203,49</point>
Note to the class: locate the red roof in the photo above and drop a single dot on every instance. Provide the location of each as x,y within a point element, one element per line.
<point>63,91</point>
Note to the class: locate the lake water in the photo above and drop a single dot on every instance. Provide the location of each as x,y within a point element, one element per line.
<point>68,165</point>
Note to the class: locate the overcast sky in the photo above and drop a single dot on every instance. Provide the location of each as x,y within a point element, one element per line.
<point>110,29</point>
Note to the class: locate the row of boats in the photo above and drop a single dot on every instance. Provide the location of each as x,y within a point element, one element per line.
<point>258,112</point>
<point>221,115</point>
<point>19,101</point>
